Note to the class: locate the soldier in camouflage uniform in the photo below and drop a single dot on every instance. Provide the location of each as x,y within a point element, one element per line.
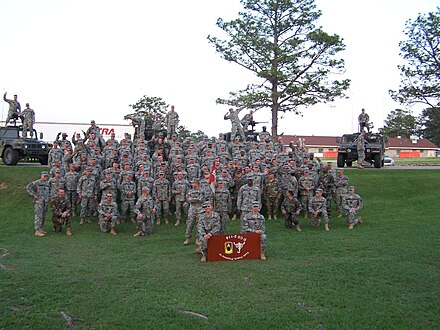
<point>306,186</point>
<point>87,194</point>
<point>236,125</point>
<point>246,196</point>
<point>145,211</point>
<point>56,183</point>
<point>161,195</point>
<point>128,198</point>
<point>327,183</point>
<point>209,224</point>
<point>145,181</point>
<point>222,204</point>
<point>352,204</point>
<point>237,182</point>
<point>195,198</point>
<point>291,208</point>
<point>253,222</point>
<point>318,207</point>
<point>28,121</point>
<point>341,185</point>
<point>108,184</point>
<point>71,183</point>
<point>14,109</point>
<point>179,189</point>
<point>171,121</point>
<point>39,190</point>
<point>272,195</point>
<point>108,214</point>
<point>61,213</point>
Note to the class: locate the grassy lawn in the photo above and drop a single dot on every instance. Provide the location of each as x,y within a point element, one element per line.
<point>383,274</point>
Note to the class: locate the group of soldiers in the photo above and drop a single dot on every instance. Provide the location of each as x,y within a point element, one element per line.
<point>27,116</point>
<point>206,183</point>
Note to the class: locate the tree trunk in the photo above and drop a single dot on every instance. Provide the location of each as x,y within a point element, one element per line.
<point>274,122</point>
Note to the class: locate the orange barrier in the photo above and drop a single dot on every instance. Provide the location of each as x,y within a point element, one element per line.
<point>409,154</point>
<point>330,154</point>
<point>233,247</point>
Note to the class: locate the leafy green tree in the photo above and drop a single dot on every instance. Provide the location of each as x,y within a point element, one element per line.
<point>294,60</point>
<point>429,120</point>
<point>400,123</point>
<point>151,106</point>
<point>420,76</point>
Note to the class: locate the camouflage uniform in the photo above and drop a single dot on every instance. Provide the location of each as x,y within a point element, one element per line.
<point>251,223</point>
<point>87,193</point>
<point>306,186</point>
<point>179,190</point>
<point>144,207</point>
<point>71,184</point>
<point>341,184</point>
<point>208,224</point>
<point>171,121</point>
<point>237,183</point>
<point>128,197</point>
<point>236,125</point>
<point>59,206</point>
<point>195,198</point>
<point>246,196</point>
<point>319,206</point>
<point>327,183</point>
<point>14,109</point>
<point>272,195</point>
<point>108,215</point>
<point>39,190</point>
<point>55,185</point>
<point>291,207</point>
<point>223,206</point>
<point>352,204</point>
<point>28,121</point>
<point>161,195</point>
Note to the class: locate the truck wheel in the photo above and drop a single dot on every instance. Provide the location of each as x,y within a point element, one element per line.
<point>377,161</point>
<point>341,160</point>
<point>10,156</point>
<point>349,163</point>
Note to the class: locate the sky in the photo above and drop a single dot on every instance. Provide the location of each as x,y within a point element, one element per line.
<point>75,61</point>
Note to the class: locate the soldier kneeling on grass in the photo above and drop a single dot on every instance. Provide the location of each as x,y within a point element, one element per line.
<point>291,208</point>
<point>61,210</point>
<point>108,214</point>
<point>318,207</point>
<point>144,210</point>
<point>254,222</point>
<point>209,225</point>
<point>352,204</point>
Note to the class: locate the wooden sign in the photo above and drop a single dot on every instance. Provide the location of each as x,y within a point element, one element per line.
<point>233,247</point>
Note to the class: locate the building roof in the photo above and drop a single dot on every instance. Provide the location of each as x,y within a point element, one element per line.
<point>330,141</point>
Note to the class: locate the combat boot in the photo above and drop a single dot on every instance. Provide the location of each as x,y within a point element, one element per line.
<point>298,228</point>
<point>326,228</point>
<point>113,232</point>
<point>198,249</point>
<point>305,215</point>
<point>157,222</point>
<point>177,223</point>
<point>360,167</point>
<point>263,256</point>
<point>88,220</point>
<point>275,217</point>
<point>132,220</point>
<point>339,215</point>
<point>81,221</point>
<point>269,217</point>
<point>74,214</point>
<point>197,242</point>
<point>41,229</point>
<point>360,221</point>
<point>165,220</point>
<point>203,258</point>
<point>139,233</point>
<point>186,242</point>
<point>350,226</point>
<point>69,231</point>
<point>39,233</point>
<point>234,217</point>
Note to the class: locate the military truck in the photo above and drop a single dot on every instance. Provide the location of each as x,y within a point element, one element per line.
<point>14,148</point>
<point>374,149</point>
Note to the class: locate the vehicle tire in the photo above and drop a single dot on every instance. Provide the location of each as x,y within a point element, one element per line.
<point>44,160</point>
<point>349,163</point>
<point>11,156</point>
<point>377,161</point>
<point>341,160</point>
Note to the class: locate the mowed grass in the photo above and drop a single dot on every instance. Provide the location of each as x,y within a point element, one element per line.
<point>383,274</point>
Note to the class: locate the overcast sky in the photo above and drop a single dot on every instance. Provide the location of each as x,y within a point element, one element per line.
<point>74,61</point>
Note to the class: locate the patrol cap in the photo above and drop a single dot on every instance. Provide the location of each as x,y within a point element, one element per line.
<point>306,171</point>
<point>250,177</point>
<point>161,173</point>
<point>44,173</point>
<point>145,188</point>
<point>92,121</point>
<point>319,190</point>
<point>351,188</point>
<point>207,203</point>
<point>255,204</point>
<point>57,171</point>
<point>329,163</point>
<point>195,181</point>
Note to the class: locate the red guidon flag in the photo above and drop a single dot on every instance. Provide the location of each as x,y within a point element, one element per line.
<point>212,176</point>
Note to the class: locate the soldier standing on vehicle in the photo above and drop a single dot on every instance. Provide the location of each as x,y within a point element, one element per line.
<point>28,121</point>
<point>39,190</point>
<point>14,111</point>
<point>171,121</point>
<point>236,125</point>
<point>363,121</point>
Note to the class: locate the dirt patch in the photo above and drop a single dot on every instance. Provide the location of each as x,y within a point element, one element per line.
<point>3,185</point>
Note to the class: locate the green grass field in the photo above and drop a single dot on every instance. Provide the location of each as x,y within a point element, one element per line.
<point>384,274</point>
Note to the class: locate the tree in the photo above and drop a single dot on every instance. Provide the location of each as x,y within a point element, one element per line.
<point>420,76</point>
<point>429,120</point>
<point>151,105</point>
<point>399,123</point>
<point>277,40</point>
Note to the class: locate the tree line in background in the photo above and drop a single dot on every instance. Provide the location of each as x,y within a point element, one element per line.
<point>294,63</point>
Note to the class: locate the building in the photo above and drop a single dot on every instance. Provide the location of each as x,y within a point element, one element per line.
<point>326,146</point>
